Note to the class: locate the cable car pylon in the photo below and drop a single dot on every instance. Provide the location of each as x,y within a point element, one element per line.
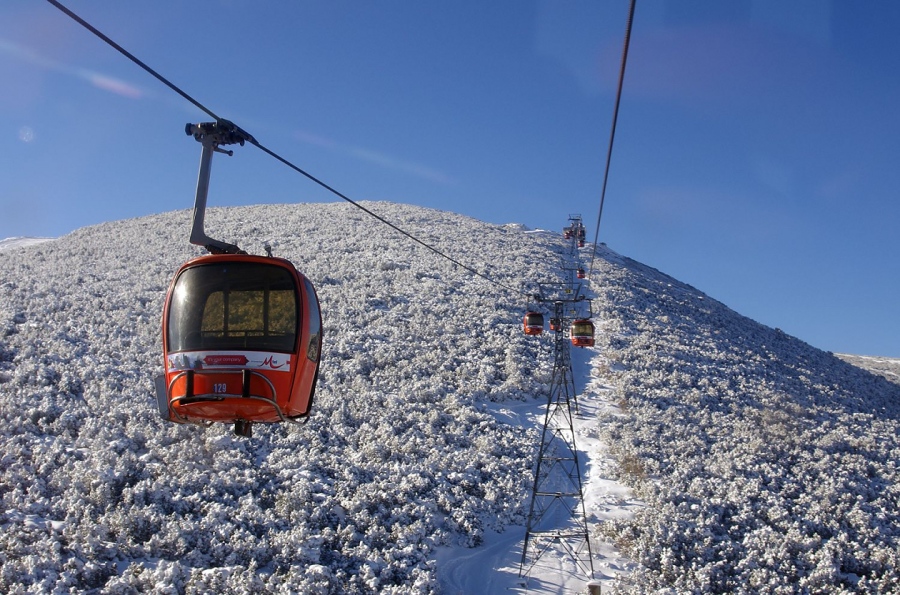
<point>556,516</point>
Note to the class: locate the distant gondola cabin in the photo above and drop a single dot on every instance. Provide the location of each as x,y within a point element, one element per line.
<point>533,323</point>
<point>582,333</point>
<point>580,273</point>
<point>242,337</point>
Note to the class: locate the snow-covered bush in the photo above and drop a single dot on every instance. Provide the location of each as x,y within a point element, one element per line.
<point>767,466</point>
<point>98,494</point>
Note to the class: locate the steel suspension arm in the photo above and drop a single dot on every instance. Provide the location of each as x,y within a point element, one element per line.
<point>211,135</point>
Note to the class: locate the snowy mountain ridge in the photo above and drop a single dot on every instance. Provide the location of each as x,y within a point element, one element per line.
<point>21,242</point>
<point>764,465</point>
<point>888,367</point>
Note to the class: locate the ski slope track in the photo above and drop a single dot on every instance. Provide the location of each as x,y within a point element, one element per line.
<point>721,456</point>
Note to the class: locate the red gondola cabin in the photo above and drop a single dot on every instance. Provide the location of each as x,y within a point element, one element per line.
<point>242,337</point>
<point>582,333</point>
<point>580,273</point>
<point>533,323</point>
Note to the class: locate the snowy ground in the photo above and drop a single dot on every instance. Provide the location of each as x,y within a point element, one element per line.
<point>494,567</point>
<point>15,243</point>
<point>883,366</point>
<point>766,465</point>
<point>754,462</point>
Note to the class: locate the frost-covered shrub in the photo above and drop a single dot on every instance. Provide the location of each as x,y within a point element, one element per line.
<point>99,495</point>
<point>767,466</point>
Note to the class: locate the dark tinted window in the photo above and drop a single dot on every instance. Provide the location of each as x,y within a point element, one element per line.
<point>315,324</point>
<point>534,319</point>
<point>234,305</point>
<point>583,329</point>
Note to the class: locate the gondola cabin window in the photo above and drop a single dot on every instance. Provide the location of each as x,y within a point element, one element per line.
<point>234,306</point>
<point>582,329</point>
<point>582,333</point>
<point>533,323</point>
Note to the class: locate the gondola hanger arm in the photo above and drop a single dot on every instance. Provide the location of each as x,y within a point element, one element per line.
<point>210,135</point>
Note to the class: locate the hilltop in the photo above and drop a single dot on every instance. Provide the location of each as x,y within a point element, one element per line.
<point>763,464</point>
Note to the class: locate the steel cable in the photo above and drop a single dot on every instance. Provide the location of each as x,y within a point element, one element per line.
<point>269,152</point>
<point>612,134</point>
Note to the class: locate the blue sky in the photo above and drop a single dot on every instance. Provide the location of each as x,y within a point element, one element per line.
<point>756,154</point>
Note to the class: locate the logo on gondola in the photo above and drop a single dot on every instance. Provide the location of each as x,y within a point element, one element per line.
<point>225,360</point>
<point>270,362</point>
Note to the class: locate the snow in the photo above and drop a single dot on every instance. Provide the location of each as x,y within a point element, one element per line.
<point>722,455</point>
<point>21,242</point>
<point>884,366</point>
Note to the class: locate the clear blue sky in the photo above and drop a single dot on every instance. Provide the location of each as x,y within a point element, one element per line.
<point>757,155</point>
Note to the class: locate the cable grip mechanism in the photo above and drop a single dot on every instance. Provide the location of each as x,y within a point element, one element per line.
<point>211,135</point>
<point>220,132</point>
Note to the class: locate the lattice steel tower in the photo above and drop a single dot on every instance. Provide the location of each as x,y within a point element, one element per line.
<point>557,516</point>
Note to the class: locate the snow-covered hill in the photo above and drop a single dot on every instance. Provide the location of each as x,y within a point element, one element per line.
<point>765,465</point>
<point>885,366</point>
<point>20,242</point>
<point>400,455</point>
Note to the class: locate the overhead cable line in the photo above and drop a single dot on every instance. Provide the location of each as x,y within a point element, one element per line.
<point>612,133</point>
<point>269,152</point>
<point>133,58</point>
<point>256,143</point>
